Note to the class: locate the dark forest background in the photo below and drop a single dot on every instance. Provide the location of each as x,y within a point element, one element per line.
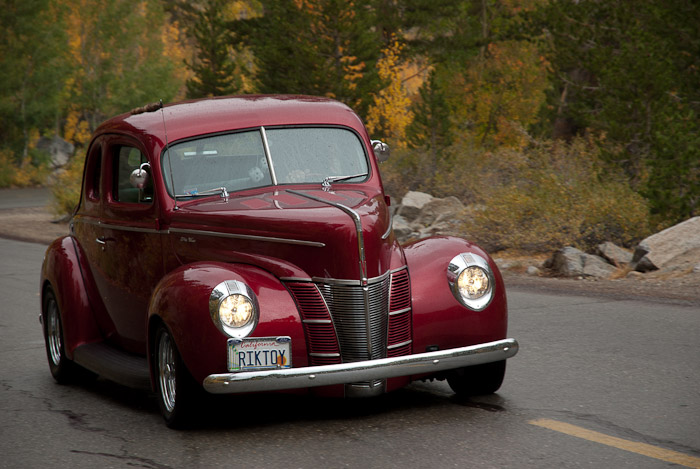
<point>556,122</point>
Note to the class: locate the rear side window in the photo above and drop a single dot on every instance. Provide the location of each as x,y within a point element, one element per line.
<point>126,160</point>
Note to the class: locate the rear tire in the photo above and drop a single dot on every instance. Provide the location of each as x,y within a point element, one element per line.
<point>477,380</point>
<point>62,369</point>
<point>175,387</point>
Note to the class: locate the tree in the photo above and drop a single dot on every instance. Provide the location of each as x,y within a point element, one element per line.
<point>216,72</point>
<point>33,63</point>
<point>120,60</point>
<point>318,47</point>
<point>631,71</point>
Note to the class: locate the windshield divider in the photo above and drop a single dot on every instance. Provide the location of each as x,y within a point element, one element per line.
<point>268,157</point>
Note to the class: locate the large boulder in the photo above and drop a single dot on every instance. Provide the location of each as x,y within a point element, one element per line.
<point>59,149</point>
<point>668,245</point>
<point>614,254</point>
<point>412,204</point>
<point>438,211</point>
<point>572,262</point>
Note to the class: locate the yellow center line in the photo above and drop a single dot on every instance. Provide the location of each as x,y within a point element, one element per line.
<point>627,445</point>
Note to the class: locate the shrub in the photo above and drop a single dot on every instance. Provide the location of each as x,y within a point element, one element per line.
<point>66,186</point>
<point>547,196</point>
<point>563,195</point>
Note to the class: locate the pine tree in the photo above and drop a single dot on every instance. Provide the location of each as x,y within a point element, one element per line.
<point>215,70</point>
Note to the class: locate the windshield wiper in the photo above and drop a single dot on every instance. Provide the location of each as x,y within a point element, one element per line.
<point>327,181</point>
<point>222,190</point>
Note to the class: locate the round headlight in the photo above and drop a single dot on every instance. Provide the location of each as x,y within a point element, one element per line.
<point>236,311</point>
<point>473,283</point>
<point>234,308</point>
<point>471,280</point>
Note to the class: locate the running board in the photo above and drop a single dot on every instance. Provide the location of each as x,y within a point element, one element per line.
<point>121,367</point>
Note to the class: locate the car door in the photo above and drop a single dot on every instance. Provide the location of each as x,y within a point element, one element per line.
<point>130,261</point>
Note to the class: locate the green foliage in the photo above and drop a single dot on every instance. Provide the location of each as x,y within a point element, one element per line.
<point>216,72</point>
<point>551,195</point>
<point>318,47</point>
<point>32,60</point>
<point>631,70</point>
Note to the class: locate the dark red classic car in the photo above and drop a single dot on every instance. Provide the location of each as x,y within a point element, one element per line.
<point>245,244</point>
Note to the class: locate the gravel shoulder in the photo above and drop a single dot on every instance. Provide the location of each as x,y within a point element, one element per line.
<point>38,225</point>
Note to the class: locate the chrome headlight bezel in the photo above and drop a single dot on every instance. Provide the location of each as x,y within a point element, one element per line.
<point>227,289</point>
<point>458,266</point>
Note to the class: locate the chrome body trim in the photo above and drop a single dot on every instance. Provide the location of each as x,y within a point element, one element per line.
<point>270,239</point>
<point>219,234</point>
<point>391,226</point>
<point>268,156</point>
<point>391,347</point>
<point>422,363</point>
<point>401,311</point>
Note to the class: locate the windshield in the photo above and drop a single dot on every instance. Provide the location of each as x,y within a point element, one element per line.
<point>238,161</point>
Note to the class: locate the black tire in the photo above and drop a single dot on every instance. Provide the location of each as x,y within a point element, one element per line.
<point>477,380</point>
<point>63,370</point>
<point>176,390</point>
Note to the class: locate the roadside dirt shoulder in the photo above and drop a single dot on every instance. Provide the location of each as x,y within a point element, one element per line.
<point>33,224</point>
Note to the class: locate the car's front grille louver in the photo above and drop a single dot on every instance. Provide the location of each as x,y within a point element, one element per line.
<point>339,327</point>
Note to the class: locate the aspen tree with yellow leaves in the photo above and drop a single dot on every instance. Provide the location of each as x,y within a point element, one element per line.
<point>389,114</point>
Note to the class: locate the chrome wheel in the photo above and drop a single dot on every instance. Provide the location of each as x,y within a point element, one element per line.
<point>167,376</point>
<point>53,332</point>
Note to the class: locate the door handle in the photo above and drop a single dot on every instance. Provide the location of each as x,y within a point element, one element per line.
<point>102,242</point>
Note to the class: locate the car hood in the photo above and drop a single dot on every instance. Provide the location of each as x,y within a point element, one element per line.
<point>294,233</point>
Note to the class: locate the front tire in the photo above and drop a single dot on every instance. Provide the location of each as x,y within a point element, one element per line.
<point>478,380</point>
<point>62,369</point>
<point>175,386</point>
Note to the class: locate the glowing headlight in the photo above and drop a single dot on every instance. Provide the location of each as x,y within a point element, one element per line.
<point>233,308</point>
<point>236,311</point>
<point>471,280</point>
<point>473,283</point>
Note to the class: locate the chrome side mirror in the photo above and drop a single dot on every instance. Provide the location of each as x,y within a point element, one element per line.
<point>381,150</point>
<point>139,176</point>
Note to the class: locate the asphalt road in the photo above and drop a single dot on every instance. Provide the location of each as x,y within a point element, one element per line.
<point>598,382</point>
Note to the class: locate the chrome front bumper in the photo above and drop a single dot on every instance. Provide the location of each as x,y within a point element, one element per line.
<point>422,363</point>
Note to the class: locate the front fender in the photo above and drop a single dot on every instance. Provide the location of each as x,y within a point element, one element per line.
<point>61,271</point>
<point>438,318</point>
<point>181,302</point>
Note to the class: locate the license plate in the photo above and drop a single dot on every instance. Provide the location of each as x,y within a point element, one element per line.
<point>259,353</point>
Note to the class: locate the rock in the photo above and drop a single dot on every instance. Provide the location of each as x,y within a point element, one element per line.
<point>402,230</point>
<point>634,274</point>
<point>534,271</point>
<point>439,210</point>
<point>571,262</point>
<point>594,266</point>
<point>567,261</point>
<point>59,149</point>
<point>614,254</point>
<point>696,269</point>
<point>412,203</point>
<point>658,249</point>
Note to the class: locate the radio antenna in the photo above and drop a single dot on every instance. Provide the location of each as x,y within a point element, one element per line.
<point>167,149</point>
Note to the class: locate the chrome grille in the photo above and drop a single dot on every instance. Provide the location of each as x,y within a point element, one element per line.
<point>338,326</point>
<point>360,316</point>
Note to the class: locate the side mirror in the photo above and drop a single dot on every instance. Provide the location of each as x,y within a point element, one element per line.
<point>139,176</point>
<point>381,150</point>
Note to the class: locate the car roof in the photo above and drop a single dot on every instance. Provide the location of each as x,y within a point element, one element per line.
<point>220,114</point>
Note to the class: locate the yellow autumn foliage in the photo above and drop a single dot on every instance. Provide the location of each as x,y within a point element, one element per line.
<point>390,112</point>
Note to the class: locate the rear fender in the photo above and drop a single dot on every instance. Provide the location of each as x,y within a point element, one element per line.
<point>61,271</point>
<point>181,302</point>
<point>439,320</point>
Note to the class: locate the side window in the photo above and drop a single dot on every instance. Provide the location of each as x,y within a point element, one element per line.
<point>126,160</point>
<point>93,172</point>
